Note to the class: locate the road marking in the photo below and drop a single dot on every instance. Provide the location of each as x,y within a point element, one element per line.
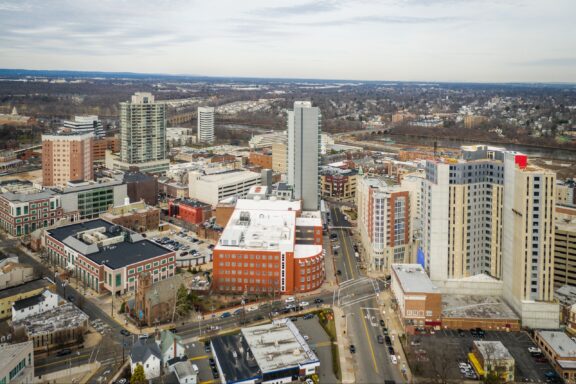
<point>369,343</point>
<point>208,382</point>
<point>347,253</point>
<point>323,344</point>
<point>199,357</point>
<point>62,361</point>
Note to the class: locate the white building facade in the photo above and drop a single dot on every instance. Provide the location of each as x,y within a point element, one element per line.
<point>304,153</point>
<point>34,305</point>
<point>215,187</point>
<point>205,124</point>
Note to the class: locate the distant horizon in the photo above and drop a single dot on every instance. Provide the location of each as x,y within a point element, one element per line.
<point>5,72</point>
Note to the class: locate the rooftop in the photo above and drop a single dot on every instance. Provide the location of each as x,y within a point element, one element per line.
<point>238,369</point>
<point>278,345</point>
<point>269,205</point>
<point>559,341</point>
<point>11,351</point>
<point>476,307</point>
<point>29,195</point>
<point>230,176</point>
<point>106,243</point>
<point>29,301</point>
<point>493,350</point>
<point>259,229</point>
<point>23,288</point>
<point>66,316</point>
<point>414,279</point>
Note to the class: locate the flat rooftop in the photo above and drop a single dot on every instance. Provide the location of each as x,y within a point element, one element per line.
<point>102,241</point>
<point>65,316</point>
<point>30,195</point>
<point>560,342</point>
<point>278,346</point>
<point>23,288</point>
<point>476,307</point>
<point>493,350</point>
<point>414,279</point>
<point>10,351</point>
<point>231,176</point>
<point>259,229</point>
<point>269,205</point>
<point>239,368</point>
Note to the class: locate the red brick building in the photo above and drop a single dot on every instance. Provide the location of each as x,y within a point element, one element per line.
<point>191,211</point>
<point>269,246</point>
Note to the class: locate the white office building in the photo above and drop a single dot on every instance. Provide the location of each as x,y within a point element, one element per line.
<point>205,124</point>
<point>304,152</point>
<point>143,134</point>
<point>212,188</point>
<point>85,124</point>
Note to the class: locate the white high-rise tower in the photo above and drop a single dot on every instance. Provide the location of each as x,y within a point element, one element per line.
<point>205,124</point>
<point>304,152</point>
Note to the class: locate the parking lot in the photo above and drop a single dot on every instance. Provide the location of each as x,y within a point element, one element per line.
<point>442,352</point>
<point>190,250</point>
<point>311,328</point>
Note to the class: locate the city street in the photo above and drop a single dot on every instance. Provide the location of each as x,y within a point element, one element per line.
<point>359,299</point>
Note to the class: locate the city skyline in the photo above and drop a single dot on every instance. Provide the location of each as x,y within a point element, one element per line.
<point>400,40</point>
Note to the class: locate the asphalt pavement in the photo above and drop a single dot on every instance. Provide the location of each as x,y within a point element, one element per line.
<point>373,362</point>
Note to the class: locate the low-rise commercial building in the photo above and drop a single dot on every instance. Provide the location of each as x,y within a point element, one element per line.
<point>57,328</point>
<point>141,186</point>
<point>261,159</point>
<point>419,301</point>
<point>17,363</point>
<point>560,351</point>
<point>190,211</point>
<point>13,273</point>
<point>24,211</point>
<point>214,187</point>
<point>136,216</point>
<point>492,358</point>
<point>105,256</point>
<point>338,184</point>
<point>269,246</point>
<point>91,198</point>
<point>19,292</point>
<point>34,305</point>
<point>478,311</point>
<point>270,353</point>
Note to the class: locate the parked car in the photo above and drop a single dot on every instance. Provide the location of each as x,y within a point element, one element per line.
<point>388,340</point>
<point>304,303</point>
<point>195,369</point>
<point>318,301</point>
<point>183,253</point>
<point>380,339</point>
<point>64,352</point>
<point>237,312</point>
<point>207,347</point>
<point>124,332</point>
<point>534,350</point>
<point>225,315</point>
<point>306,337</point>
<point>352,348</point>
<point>251,308</point>
<point>290,299</point>
<point>385,331</point>
<point>212,362</point>
<point>308,316</point>
<point>294,318</point>
<point>382,323</point>
<point>393,359</point>
<point>391,350</point>
<point>143,336</point>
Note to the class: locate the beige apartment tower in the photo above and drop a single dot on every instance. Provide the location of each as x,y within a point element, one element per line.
<point>280,158</point>
<point>67,157</point>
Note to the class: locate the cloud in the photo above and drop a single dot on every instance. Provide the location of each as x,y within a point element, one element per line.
<point>551,62</point>
<point>312,7</point>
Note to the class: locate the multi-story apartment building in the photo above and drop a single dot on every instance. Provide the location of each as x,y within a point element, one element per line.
<point>384,223</point>
<point>205,124</point>
<point>107,257</point>
<point>67,157</point>
<point>565,247</point>
<point>23,212</point>
<point>462,214</point>
<point>102,145</point>
<point>528,241</point>
<point>143,134</point>
<point>214,187</point>
<point>85,124</point>
<point>338,184</point>
<point>491,213</point>
<point>304,153</point>
<point>269,246</point>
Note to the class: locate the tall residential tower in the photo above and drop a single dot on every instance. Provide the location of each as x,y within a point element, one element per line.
<point>205,124</point>
<point>143,134</point>
<point>67,157</point>
<point>304,152</point>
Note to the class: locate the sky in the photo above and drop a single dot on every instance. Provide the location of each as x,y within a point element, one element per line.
<point>393,40</point>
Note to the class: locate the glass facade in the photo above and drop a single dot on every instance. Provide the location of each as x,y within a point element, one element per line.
<point>93,202</point>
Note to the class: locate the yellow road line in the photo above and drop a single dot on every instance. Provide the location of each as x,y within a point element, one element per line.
<point>200,357</point>
<point>62,361</point>
<point>347,253</point>
<point>208,382</point>
<point>324,344</point>
<point>369,342</point>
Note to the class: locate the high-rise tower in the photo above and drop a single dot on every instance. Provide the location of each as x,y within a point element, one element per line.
<point>143,134</point>
<point>205,124</point>
<point>304,152</point>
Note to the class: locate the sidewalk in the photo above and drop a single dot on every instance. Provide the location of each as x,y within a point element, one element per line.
<point>346,358</point>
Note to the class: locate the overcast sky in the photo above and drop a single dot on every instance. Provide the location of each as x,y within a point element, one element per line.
<point>429,40</point>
